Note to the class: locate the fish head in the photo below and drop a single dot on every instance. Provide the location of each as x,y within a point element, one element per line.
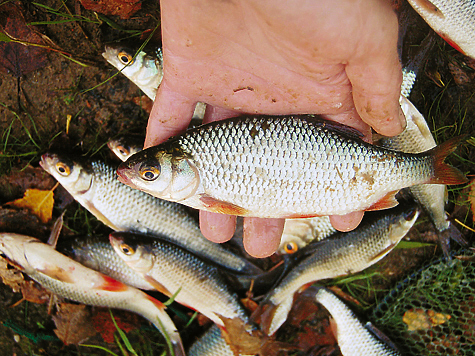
<point>403,223</point>
<point>122,148</point>
<point>13,248</point>
<point>137,256</point>
<point>171,176</point>
<point>123,59</point>
<point>71,174</point>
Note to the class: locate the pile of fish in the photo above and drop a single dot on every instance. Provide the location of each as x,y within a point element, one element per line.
<point>299,167</point>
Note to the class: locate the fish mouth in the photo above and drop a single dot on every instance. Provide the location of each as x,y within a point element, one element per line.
<point>124,176</point>
<point>45,161</point>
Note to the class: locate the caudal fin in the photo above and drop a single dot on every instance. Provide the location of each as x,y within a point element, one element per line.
<point>443,172</point>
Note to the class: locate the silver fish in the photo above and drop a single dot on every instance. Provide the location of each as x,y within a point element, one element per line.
<point>199,285</point>
<point>211,343</point>
<point>124,147</point>
<point>300,232</point>
<point>339,255</point>
<point>94,185</point>
<point>144,70</point>
<point>414,139</point>
<point>453,20</point>
<point>354,338</point>
<point>96,252</point>
<point>69,279</point>
<point>282,167</point>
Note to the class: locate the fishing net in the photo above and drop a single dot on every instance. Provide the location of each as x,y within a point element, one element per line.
<point>432,312</point>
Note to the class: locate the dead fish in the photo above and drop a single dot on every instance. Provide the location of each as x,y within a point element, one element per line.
<point>453,20</point>
<point>282,167</point>
<point>300,232</point>
<point>414,139</point>
<point>143,70</point>
<point>336,256</point>
<point>124,147</point>
<point>69,279</point>
<point>96,252</point>
<point>171,269</point>
<point>95,186</point>
<point>354,338</point>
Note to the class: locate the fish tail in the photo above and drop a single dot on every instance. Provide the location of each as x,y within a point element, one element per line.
<point>263,315</point>
<point>443,172</point>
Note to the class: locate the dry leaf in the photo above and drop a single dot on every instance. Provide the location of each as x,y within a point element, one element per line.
<point>122,8</point>
<point>420,319</point>
<point>73,323</point>
<point>11,276</point>
<point>39,202</point>
<point>104,325</point>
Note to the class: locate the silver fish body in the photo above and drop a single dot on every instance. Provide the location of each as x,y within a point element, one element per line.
<point>96,252</point>
<point>95,186</point>
<point>144,70</point>
<point>453,20</point>
<point>300,232</point>
<point>281,167</point>
<point>342,254</point>
<point>354,339</point>
<point>199,285</point>
<point>69,279</point>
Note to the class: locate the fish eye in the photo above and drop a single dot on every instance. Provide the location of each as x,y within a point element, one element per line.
<point>125,57</point>
<point>291,247</point>
<point>149,173</point>
<point>63,169</point>
<point>123,150</point>
<point>126,249</point>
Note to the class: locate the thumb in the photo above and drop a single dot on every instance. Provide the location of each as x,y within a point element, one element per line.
<point>171,114</point>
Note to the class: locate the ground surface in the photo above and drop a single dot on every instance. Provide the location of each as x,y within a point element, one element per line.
<point>47,100</point>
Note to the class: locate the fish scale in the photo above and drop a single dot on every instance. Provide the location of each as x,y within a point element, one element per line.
<point>328,173</point>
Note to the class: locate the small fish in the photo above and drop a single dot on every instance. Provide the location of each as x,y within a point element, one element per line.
<point>336,256</point>
<point>282,167</point>
<point>95,186</point>
<point>124,147</point>
<point>300,232</point>
<point>96,252</point>
<point>354,338</point>
<point>171,269</point>
<point>416,138</point>
<point>453,20</point>
<point>144,70</point>
<point>69,279</point>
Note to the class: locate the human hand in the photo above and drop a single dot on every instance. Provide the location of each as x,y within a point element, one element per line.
<point>277,57</point>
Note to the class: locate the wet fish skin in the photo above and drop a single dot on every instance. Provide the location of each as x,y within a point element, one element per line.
<point>95,186</point>
<point>339,255</point>
<point>354,339</point>
<point>171,269</point>
<point>416,138</point>
<point>96,252</point>
<point>300,232</point>
<point>453,20</point>
<point>281,167</point>
<point>145,71</point>
<point>69,279</point>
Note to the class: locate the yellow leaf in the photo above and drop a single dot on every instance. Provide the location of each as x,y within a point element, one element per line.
<point>39,202</point>
<point>420,319</point>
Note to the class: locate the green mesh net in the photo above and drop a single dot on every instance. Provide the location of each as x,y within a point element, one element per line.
<point>432,312</point>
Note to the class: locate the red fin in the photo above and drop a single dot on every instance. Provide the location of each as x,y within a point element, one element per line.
<point>387,202</point>
<point>222,207</point>
<point>158,303</point>
<point>158,286</point>
<point>301,216</point>
<point>444,173</point>
<point>112,285</point>
<point>451,42</point>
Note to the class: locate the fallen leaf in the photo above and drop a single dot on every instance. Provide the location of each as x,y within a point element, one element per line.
<point>39,202</point>
<point>122,8</point>
<point>460,76</point>
<point>16,58</point>
<point>11,276</point>
<point>17,181</point>
<point>104,325</point>
<point>240,339</point>
<point>31,292</point>
<point>421,319</point>
<point>73,323</point>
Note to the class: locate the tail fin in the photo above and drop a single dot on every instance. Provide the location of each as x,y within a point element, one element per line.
<point>444,173</point>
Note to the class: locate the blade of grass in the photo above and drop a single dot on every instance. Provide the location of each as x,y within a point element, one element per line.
<point>123,336</point>
<point>99,348</point>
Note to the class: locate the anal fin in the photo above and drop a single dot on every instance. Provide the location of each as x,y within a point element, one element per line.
<point>222,207</point>
<point>386,202</point>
